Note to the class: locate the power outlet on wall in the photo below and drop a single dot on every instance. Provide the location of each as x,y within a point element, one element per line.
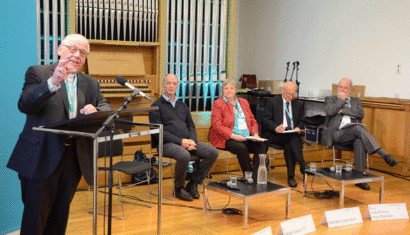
<point>399,69</point>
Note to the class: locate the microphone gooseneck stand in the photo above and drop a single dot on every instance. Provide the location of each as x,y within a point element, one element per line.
<point>287,70</point>
<point>110,125</point>
<point>297,81</point>
<point>296,65</point>
<point>293,70</point>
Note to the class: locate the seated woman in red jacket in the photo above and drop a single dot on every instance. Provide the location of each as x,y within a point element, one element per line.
<point>232,120</point>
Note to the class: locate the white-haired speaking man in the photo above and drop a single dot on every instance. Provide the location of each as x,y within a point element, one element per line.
<point>50,166</point>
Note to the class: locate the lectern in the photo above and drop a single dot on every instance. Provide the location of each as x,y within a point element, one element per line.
<point>92,125</point>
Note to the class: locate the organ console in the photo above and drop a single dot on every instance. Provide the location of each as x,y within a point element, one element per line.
<point>135,61</point>
<point>110,88</point>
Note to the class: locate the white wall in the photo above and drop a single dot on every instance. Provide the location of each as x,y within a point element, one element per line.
<point>363,40</point>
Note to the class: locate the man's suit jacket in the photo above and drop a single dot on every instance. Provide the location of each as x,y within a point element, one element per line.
<point>273,116</point>
<point>223,121</point>
<point>37,153</point>
<point>333,119</point>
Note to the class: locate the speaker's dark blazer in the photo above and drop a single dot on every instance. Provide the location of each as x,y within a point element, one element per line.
<point>37,153</point>
<point>273,116</point>
<point>333,119</point>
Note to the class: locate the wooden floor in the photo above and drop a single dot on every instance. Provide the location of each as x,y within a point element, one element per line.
<point>179,217</point>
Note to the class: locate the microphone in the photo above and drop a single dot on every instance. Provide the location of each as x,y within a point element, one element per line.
<point>331,169</point>
<point>121,80</point>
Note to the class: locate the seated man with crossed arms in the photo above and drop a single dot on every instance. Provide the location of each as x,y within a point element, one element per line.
<point>343,110</point>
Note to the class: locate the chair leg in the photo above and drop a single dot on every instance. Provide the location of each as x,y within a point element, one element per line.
<point>90,211</point>
<point>227,165</point>
<point>367,165</point>
<point>149,188</point>
<point>323,155</point>
<point>173,183</point>
<point>270,164</point>
<point>88,196</point>
<point>270,160</point>
<point>120,187</point>
<point>173,179</point>
<point>367,162</point>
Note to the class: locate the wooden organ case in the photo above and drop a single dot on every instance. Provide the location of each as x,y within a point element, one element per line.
<point>136,62</point>
<point>127,38</point>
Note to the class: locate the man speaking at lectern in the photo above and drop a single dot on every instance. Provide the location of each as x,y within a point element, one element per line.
<point>49,165</point>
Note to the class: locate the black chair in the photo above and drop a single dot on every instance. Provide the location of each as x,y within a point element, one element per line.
<point>226,154</point>
<point>226,160</point>
<point>127,167</point>
<point>192,158</point>
<point>346,148</point>
<point>342,148</point>
<point>275,147</point>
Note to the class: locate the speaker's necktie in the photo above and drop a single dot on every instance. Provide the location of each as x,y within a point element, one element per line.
<point>287,117</point>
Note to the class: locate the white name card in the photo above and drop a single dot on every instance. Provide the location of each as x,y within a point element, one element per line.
<point>387,211</point>
<point>301,225</point>
<point>342,217</point>
<point>265,231</point>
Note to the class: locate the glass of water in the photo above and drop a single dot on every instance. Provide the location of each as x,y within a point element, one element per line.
<point>349,166</point>
<point>234,181</point>
<point>313,166</point>
<point>338,168</point>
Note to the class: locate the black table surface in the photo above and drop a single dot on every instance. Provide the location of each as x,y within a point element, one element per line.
<point>343,176</point>
<point>246,189</point>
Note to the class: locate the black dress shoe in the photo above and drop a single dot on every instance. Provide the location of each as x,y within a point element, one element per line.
<point>363,186</point>
<point>182,194</point>
<point>391,161</point>
<point>192,189</point>
<point>292,183</point>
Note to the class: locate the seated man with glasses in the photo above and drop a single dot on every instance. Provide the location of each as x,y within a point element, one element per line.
<point>342,110</point>
<point>285,113</point>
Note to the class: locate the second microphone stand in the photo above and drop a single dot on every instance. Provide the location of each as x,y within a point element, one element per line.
<point>109,124</point>
<point>297,81</point>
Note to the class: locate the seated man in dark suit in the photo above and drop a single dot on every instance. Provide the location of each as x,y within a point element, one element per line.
<point>180,140</point>
<point>285,113</point>
<point>342,110</point>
